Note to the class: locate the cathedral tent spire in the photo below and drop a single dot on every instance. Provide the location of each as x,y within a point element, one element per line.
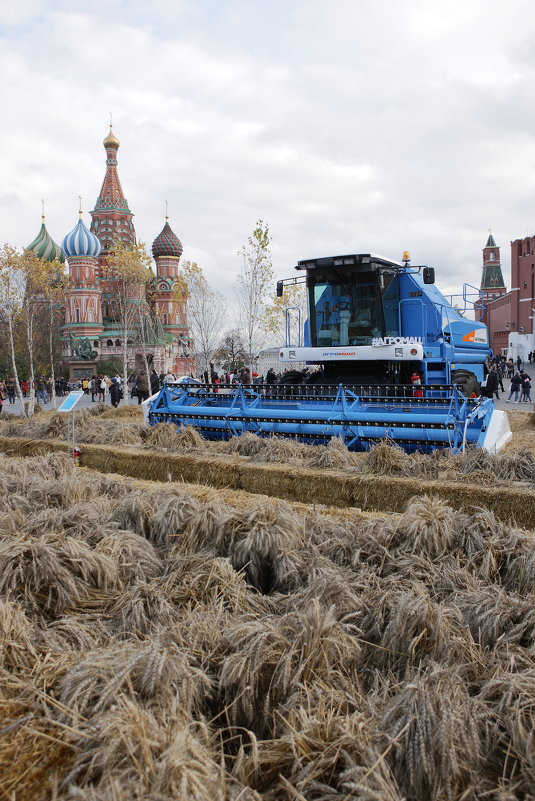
<point>111,217</point>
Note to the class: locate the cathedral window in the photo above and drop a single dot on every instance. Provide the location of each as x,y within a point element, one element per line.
<point>109,343</point>
<point>165,319</point>
<point>492,256</point>
<point>117,343</point>
<point>77,315</point>
<point>95,343</point>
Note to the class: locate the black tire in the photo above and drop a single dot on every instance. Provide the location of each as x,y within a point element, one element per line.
<point>467,382</point>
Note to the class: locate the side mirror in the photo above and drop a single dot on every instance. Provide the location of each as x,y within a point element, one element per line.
<point>280,289</point>
<point>428,275</point>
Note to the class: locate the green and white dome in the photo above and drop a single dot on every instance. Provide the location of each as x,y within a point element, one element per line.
<point>44,246</point>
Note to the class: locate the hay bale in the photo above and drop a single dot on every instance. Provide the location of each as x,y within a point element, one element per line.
<point>121,413</point>
<point>168,436</point>
<point>387,459</point>
<point>333,456</point>
<point>109,432</point>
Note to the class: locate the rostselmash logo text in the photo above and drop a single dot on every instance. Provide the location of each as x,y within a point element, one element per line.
<point>378,341</point>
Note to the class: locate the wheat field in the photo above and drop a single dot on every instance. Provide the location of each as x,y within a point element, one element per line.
<point>161,641</point>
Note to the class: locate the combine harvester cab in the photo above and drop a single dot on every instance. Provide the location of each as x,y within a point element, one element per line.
<point>389,358</point>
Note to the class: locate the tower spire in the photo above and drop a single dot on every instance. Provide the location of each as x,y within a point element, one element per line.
<point>111,217</point>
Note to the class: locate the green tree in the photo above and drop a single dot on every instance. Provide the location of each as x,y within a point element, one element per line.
<point>231,354</point>
<point>256,276</point>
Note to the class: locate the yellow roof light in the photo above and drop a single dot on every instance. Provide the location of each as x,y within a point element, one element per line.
<point>406,256</point>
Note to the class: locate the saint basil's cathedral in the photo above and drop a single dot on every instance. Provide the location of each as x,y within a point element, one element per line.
<point>91,332</point>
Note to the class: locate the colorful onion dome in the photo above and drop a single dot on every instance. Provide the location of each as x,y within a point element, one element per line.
<point>81,242</point>
<point>111,140</point>
<point>167,243</point>
<point>44,246</point>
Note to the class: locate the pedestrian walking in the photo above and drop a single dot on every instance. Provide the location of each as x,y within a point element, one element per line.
<point>102,387</point>
<point>116,393</point>
<point>525,397</point>
<point>516,383</point>
<point>491,387</point>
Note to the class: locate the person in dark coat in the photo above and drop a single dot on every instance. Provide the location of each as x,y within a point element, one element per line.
<point>154,382</point>
<point>516,383</point>
<point>116,393</point>
<point>142,387</point>
<point>491,387</point>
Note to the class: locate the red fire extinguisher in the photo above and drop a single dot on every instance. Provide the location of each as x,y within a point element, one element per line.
<point>416,382</point>
<point>76,456</point>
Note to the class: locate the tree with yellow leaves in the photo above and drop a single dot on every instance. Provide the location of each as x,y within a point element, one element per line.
<point>128,272</point>
<point>24,281</point>
<point>285,317</point>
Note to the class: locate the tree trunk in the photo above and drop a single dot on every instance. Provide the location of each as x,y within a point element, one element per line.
<point>125,365</point>
<point>51,346</point>
<point>29,343</point>
<point>14,366</point>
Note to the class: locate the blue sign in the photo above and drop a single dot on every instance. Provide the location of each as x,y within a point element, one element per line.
<point>71,401</point>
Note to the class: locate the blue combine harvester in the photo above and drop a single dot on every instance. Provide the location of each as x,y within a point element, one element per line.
<point>389,358</point>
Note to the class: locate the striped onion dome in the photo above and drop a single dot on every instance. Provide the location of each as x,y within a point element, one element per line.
<point>167,243</point>
<point>44,246</point>
<point>81,242</point>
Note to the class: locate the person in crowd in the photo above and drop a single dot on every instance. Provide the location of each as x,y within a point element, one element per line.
<point>102,386</point>
<point>516,383</point>
<point>525,396</point>
<point>518,362</point>
<point>510,368</point>
<point>154,382</point>
<point>142,387</point>
<point>491,387</point>
<point>93,389</point>
<point>10,389</point>
<point>169,377</point>
<point>40,388</point>
<point>116,393</point>
<point>24,388</point>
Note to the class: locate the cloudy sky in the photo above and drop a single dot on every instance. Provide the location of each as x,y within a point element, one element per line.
<point>348,125</point>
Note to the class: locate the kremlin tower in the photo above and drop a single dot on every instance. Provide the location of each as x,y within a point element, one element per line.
<point>492,283</point>
<point>91,333</point>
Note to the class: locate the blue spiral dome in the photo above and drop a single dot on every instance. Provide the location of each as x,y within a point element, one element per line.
<point>81,242</point>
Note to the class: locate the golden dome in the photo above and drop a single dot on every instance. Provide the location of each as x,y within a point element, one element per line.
<point>111,140</point>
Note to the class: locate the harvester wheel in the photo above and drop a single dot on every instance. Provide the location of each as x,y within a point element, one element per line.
<point>467,382</point>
